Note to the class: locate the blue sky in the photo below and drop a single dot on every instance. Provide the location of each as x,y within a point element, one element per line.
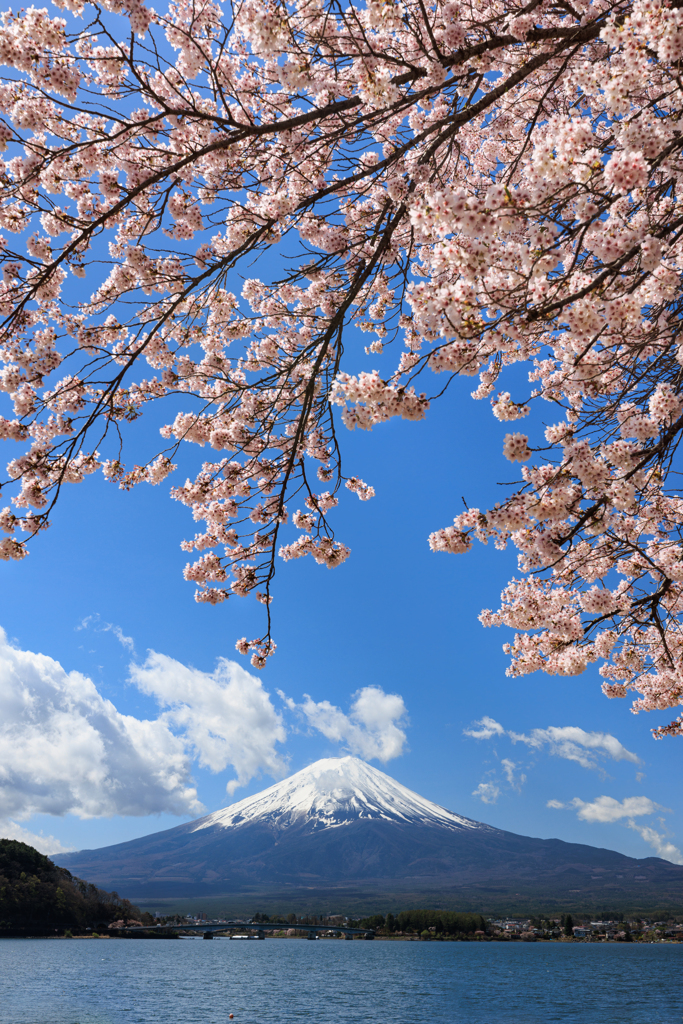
<point>102,740</point>
<point>103,588</point>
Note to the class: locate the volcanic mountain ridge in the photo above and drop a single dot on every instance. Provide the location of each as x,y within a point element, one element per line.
<point>341,824</point>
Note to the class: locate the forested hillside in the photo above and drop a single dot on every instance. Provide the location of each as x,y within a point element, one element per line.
<point>39,898</point>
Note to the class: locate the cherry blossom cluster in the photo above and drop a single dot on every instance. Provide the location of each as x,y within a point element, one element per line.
<point>476,186</point>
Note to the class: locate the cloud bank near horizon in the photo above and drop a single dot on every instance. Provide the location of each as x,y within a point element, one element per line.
<point>606,810</point>
<point>66,749</point>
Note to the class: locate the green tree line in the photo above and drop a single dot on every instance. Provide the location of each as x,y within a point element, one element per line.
<point>444,922</point>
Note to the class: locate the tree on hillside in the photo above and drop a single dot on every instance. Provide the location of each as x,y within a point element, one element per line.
<point>38,898</point>
<point>472,185</point>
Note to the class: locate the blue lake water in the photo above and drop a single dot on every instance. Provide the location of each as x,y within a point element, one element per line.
<point>335,982</point>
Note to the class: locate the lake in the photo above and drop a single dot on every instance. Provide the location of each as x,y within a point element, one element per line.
<point>283,981</point>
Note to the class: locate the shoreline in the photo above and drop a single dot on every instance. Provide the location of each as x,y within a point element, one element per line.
<point>389,938</point>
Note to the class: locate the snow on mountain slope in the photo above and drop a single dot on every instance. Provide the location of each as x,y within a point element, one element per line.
<point>332,792</point>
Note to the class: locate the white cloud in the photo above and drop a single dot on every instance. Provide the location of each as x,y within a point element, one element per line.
<point>226,716</point>
<point>125,641</point>
<point>372,729</point>
<point>44,844</point>
<point>511,769</point>
<point>569,742</point>
<point>108,627</point>
<point>291,704</point>
<point>659,843</point>
<point>65,749</point>
<point>573,743</point>
<point>488,792</point>
<point>607,809</point>
<point>489,728</point>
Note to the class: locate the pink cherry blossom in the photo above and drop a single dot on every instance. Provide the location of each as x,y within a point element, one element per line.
<point>478,188</point>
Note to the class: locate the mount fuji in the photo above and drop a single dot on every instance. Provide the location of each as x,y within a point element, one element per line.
<point>342,826</point>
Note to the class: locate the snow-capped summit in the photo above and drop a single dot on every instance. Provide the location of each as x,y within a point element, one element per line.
<point>333,792</point>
